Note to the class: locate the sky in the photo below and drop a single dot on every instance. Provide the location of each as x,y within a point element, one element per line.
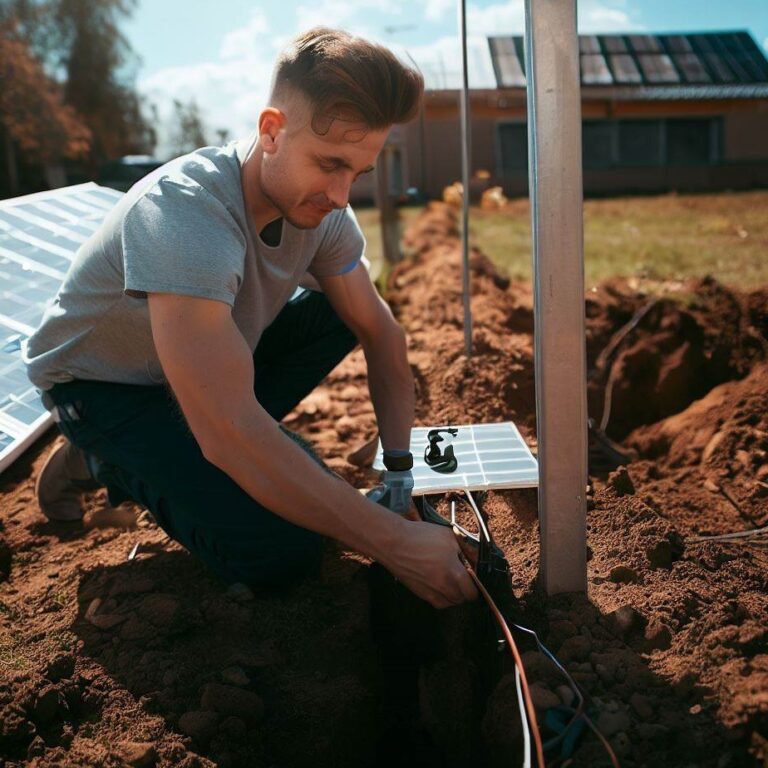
<point>222,58</point>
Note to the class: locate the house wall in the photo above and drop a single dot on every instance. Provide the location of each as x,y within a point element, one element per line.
<point>742,163</point>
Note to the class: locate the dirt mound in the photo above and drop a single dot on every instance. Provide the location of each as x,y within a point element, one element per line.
<point>686,338</point>
<point>718,447</point>
<point>110,661</point>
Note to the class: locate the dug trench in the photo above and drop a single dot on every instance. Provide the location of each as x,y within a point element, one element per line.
<point>111,661</point>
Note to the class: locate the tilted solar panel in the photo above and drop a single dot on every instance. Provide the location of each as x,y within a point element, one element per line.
<point>695,59</point>
<point>594,70</point>
<point>39,236</point>
<point>624,69</point>
<point>658,68</point>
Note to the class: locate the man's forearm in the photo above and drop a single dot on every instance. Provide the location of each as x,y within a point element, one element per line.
<point>272,469</point>
<point>391,384</point>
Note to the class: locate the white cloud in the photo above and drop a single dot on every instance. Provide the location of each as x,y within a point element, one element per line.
<point>231,89</point>
<point>435,10</point>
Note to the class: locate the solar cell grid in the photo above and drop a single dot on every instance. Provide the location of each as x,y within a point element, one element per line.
<point>510,73</point>
<point>39,236</point>
<point>691,67</point>
<point>589,44</point>
<point>645,44</point>
<point>658,68</point>
<point>614,43</point>
<point>677,43</point>
<point>594,70</point>
<point>624,69</point>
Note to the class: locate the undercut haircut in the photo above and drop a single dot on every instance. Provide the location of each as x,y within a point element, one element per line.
<point>344,77</point>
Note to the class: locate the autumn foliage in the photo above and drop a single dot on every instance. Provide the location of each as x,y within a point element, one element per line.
<point>32,111</point>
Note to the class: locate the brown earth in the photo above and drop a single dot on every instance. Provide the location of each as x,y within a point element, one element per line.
<point>111,661</point>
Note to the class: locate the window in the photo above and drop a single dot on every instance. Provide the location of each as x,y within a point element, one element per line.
<point>513,147</point>
<point>640,142</point>
<point>597,139</point>
<point>691,142</point>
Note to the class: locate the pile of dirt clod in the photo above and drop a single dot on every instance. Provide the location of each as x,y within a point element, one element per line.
<point>111,661</point>
<point>662,346</point>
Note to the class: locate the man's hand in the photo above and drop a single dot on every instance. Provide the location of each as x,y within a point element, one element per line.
<point>427,562</point>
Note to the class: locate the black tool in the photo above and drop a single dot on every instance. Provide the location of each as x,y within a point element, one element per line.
<point>443,461</point>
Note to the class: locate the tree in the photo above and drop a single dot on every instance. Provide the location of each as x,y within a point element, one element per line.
<point>80,42</point>
<point>33,118</point>
<point>189,131</point>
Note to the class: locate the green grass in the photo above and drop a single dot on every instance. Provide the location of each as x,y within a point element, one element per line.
<point>663,237</point>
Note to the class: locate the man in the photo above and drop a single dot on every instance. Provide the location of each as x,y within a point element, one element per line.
<point>181,300</point>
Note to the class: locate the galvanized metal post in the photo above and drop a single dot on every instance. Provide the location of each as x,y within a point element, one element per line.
<point>466,144</point>
<point>554,169</point>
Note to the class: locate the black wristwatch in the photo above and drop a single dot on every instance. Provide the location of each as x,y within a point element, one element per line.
<point>398,463</point>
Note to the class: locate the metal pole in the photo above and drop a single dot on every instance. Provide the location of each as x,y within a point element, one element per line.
<point>554,169</point>
<point>466,141</point>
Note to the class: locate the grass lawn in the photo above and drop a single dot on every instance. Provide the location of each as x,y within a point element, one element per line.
<point>663,237</point>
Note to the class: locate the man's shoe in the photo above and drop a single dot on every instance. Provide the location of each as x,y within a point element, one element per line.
<point>61,481</point>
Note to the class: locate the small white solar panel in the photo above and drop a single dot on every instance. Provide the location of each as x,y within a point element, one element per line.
<point>39,236</point>
<point>477,457</point>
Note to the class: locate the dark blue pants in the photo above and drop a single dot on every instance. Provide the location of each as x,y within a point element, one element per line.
<point>145,452</point>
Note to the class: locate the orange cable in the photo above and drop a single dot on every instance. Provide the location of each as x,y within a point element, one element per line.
<point>516,656</point>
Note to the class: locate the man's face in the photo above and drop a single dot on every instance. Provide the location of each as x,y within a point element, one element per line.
<point>306,175</point>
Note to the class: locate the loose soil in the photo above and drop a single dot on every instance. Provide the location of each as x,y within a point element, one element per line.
<point>108,660</point>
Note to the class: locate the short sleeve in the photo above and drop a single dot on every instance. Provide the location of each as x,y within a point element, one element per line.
<point>179,238</point>
<point>341,248</point>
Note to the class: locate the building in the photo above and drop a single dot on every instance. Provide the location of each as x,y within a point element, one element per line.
<point>685,112</point>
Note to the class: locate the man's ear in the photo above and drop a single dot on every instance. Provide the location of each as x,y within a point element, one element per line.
<point>271,122</point>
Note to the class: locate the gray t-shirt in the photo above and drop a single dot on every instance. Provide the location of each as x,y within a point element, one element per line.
<point>183,229</point>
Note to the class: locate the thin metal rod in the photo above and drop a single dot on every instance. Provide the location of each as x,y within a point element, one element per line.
<point>466,142</point>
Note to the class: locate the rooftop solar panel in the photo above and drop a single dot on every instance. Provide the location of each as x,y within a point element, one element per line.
<point>695,59</point>
<point>691,68</point>
<point>39,236</point>
<point>594,70</point>
<point>677,43</point>
<point>721,72</point>
<point>589,44</point>
<point>645,44</point>
<point>614,44</point>
<point>658,68</point>
<point>510,73</point>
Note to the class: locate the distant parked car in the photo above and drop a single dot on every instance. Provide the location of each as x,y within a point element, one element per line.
<point>122,174</point>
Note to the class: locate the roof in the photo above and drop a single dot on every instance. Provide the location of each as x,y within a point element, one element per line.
<point>690,65</point>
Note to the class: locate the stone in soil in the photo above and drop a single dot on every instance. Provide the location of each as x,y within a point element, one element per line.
<point>200,725</point>
<point>228,700</point>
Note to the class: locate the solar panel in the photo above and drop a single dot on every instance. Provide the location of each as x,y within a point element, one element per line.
<point>721,72</point>
<point>691,67</point>
<point>624,69</point>
<point>472,456</point>
<point>658,68</point>
<point>594,70</point>
<point>39,236</point>
<point>694,59</point>
<point>677,43</point>
<point>506,64</point>
<point>645,44</point>
<point>614,44</point>
<point>589,44</point>
<point>510,73</point>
